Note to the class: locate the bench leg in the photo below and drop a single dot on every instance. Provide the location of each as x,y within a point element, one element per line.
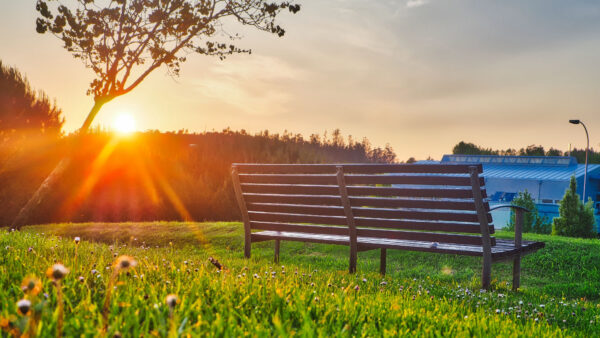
<point>277,250</point>
<point>486,274</point>
<point>247,247</point>
<point>382,261</point>
<point>516,273</point>
<point>353,258</point>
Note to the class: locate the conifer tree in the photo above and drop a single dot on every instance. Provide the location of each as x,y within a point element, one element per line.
<point>576,218</point>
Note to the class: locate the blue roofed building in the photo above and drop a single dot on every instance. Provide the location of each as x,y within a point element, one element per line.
<point>546,178</point>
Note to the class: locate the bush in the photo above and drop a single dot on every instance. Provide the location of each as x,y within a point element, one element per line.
<point>576,218</point>
<point>532,221</point>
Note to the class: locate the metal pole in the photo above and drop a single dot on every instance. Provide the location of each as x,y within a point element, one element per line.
<point>586,159</point>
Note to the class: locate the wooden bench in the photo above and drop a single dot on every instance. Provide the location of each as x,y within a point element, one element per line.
<point>417,207</point>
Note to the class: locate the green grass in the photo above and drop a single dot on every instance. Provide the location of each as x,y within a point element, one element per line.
<point>423,294</point>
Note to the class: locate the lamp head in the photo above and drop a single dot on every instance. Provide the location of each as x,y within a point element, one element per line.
<point>574,121</point>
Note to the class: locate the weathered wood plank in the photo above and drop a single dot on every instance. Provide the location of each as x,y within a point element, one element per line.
<point>434,204</point>
<point>314,189</point>
<point>412,192</point>
<point>416,215</point>
<point>288,179</point>
<point>290,189</point>
<point>293,199</point>
<point>365,243</point>
<point>420,236</point>
<point>297,209</point>
<point>295,218</point>
<point>410,179</point>
<point>293,227</point>
<point>257,168</point>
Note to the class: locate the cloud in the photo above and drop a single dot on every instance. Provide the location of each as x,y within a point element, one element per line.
<point>254,85</point>
<point>416,3</point>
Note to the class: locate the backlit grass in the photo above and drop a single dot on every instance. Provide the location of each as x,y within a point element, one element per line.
<point>308,293</point>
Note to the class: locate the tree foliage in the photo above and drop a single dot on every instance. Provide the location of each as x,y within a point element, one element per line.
<point>532,221</point>
<point>140,178</point>
<point>576,218</point>
<point>467,148</point>
<point>23,111</point>
<point>124,41</point>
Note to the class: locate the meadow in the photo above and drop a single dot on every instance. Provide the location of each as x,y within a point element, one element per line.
<point>174,290</point>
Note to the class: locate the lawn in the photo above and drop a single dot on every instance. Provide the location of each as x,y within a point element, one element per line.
<point>308,293</point>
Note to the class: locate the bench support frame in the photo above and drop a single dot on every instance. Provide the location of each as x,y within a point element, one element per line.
<point>481,209</point>
<point>349,218</point>
<point>486,273</point>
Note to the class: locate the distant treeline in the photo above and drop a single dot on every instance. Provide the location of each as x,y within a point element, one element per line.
<point>465,148</point>
<point>154,175</point>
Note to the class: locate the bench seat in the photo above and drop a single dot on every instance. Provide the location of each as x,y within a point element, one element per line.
<point>503,249</point>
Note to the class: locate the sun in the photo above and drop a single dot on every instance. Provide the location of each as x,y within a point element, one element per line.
<point>124,124</point>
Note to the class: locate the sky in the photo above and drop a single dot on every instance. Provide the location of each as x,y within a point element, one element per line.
<point>421,75</point>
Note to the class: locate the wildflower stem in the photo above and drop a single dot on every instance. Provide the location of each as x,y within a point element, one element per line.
<point>59,325</point>
<point>109,288</point>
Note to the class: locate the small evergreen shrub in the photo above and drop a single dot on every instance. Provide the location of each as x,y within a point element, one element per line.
<point>576,218</point>
<point>532,221</point>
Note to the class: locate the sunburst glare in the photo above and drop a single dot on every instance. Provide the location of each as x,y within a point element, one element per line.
<point>124,124</point>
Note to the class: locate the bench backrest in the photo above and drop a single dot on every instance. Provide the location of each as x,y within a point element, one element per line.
<point>435,203</point>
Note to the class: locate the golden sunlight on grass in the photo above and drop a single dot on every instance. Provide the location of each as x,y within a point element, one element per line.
<point>124,124</point>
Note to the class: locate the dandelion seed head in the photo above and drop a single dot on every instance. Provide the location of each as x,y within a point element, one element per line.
<point>125,262</point>
<point>24,305</point>
<point>31,285</point>
<point>171,300</point>
<point>57,272</point>
<point>77,240</point>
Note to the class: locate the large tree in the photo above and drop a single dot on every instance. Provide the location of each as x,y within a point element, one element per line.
<point>123,41</point>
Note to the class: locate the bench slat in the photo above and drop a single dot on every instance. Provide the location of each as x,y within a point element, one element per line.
<point>364,201</point>
<point>288,179</point>
<point>499,251</point>
<point>412,180</point>
<point>294,199</point>
<point>314,229</point>
<point>291,189</point>
<point>420,236</point>
<point>442,180</point>
<point>294,189</point>
<point>413,203</point>
<point>256,168</point>
<point>297,209</point>
<point>373,233</point>
<point>365,212</point>
<point>416,215</point>
<point>472,228</point>
<point>412,192</point>
<point>295,218</point>
<point>383,223</point>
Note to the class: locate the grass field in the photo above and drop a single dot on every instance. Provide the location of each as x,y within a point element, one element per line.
<point>308,293</point>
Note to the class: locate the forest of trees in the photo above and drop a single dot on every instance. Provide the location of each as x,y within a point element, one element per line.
<point>159,175</point>
<point>465,148</point>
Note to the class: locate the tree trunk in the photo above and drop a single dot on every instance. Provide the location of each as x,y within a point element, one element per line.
<point>50,182</point>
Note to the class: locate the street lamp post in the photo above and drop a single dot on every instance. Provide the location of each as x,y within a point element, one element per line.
<point>586,153</point>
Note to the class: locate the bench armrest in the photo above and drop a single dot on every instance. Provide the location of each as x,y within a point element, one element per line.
<point>519,213</point>
<point>517,207</point>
